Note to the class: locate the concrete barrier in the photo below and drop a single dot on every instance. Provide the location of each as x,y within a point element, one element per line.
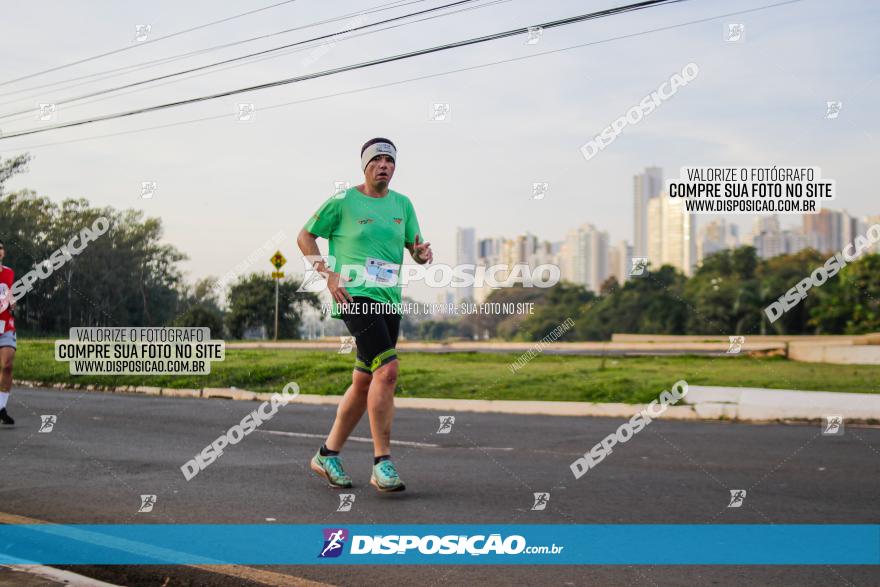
<point>749,403</point>
<point>777,338</point>
<point>719,346</point>
<point>841,354</point>
<point>862,349</point>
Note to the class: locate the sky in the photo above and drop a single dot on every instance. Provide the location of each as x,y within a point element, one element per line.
<point>519,112</point>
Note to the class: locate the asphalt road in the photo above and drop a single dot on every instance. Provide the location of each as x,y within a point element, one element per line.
<point>107,449</point>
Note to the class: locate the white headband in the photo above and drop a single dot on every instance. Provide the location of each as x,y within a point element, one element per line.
<point>375,150</point>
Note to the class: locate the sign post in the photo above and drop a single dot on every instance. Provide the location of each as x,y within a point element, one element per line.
<point>278,262</point>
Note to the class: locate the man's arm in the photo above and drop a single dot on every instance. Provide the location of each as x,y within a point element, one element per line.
<point>9,292</point>
<point>420,252</point>
<point>308,244</point>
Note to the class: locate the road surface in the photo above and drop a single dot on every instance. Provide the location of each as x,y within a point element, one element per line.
<point>106,450</point>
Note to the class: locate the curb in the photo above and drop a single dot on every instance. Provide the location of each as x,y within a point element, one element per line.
<point>701,403</point>
<point>753,403</point>
<point>46,576</point>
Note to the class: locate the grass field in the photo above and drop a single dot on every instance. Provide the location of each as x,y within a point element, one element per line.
<point>480,376</point>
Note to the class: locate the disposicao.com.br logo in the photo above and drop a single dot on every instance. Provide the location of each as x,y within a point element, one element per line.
<point>450,544</point>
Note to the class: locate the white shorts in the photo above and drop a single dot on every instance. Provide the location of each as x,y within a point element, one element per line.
<point>8,339</point>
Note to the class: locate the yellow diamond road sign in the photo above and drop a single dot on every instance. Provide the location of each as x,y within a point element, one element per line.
<point>278,260</point>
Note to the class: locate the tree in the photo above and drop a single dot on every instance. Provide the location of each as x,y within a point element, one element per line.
<point>500,324</point>
<point>436,330</point>
<point>12,166</point>
<point>850,301</point>
<point>777,276</point>
<point>125,276</point>
<point>252,305</point>
<point>651,303</point>
<point>562,301</point>
<point>724,294</point>
<point>199,307</point>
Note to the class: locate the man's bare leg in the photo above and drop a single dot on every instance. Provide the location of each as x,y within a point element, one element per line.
<point>380,405</point>
<point>7,356</point>
<point>350,411</point>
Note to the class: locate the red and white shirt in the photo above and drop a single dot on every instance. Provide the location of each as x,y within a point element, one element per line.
<point>7,278</point>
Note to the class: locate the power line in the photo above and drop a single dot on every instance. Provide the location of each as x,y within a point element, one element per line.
<point>147,64</point>
<point>365,64</point>
<point>242,57</point>
<point>282,54</point>
<point>418,78</point>
<point>141,44</point>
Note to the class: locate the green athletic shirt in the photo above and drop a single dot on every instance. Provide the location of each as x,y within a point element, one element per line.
<point>367,237</point>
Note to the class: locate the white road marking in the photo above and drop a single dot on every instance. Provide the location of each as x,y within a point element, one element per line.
<point>395,442</point>
<point>352,438</point>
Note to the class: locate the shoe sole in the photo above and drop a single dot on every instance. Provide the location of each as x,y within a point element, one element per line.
<point>400,487</point>
<point>320,471</point>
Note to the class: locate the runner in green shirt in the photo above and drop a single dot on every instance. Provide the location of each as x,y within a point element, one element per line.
<point>367,227</point>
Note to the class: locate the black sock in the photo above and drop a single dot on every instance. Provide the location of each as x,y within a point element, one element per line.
<point>326,452</point>
<point>380,458</point>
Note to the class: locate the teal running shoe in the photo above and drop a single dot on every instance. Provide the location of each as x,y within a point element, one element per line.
<point>330,468</point>
<point>385,477</point>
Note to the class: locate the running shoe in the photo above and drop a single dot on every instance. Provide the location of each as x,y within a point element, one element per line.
<point>6,418</point>
<point>385,477</point>
<point>330,468</point>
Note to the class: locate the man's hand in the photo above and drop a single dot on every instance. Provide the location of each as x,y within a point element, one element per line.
<point>337,290</point>
<point>421,252</point>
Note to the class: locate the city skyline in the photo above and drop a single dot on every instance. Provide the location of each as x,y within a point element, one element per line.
<point>587,255</point>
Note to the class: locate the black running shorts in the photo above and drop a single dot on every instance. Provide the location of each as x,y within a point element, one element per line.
<point>374,326</point>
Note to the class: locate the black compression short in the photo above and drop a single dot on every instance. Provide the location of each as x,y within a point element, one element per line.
<point>375,327</point>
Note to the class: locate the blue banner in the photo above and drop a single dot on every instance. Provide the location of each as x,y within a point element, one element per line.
<point>412,544</point>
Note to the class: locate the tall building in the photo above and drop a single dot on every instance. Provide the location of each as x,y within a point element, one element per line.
<point>584,258</point>
<point>868,222</point>
<point>465,253</point>
<point>620,261</point>
<point>850,228</point>
<point>489,248</point>
<point>829,230</point>
<point>646,186</point>
<point>489,252</point>
<point>770,240</point>
<point>522,250</point>
<point>672,238</point>
<point>716,236</point>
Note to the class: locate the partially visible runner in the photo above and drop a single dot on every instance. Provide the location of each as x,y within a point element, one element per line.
<point>367,227</point>
<point>7,336</point>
